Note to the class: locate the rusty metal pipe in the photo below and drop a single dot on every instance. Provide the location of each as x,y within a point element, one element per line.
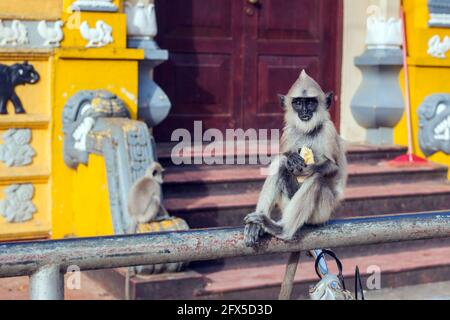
<point>17,259</point>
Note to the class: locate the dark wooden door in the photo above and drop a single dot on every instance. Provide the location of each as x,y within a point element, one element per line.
<point>230,58</point>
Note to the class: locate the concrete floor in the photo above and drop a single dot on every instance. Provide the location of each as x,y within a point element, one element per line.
<point>430,291</point>
<point>17,289</point>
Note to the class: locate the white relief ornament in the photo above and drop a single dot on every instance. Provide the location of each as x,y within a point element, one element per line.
<point>15,35</point>
<point>439,20</point>
<point>97,37</point>
<point>442,130</point>
<point>17,206</point>
<point>52,35</point>
<point>438,48</point>
<point>93,5</point>
<point>141,20</point>
<point>383,34</point>
<point>81,132</point>
<point>16,150</point>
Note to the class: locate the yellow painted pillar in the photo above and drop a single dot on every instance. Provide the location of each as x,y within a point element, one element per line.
<point>427,75</point>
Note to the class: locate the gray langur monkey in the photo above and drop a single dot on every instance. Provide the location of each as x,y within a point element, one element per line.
<point>307,124</point>
<point>144,199</point>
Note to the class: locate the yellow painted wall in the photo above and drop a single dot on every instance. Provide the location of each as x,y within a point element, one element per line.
<point>72,35</point>
<point>427,75</point>
<point>81,204</point>
<point>31,9</point>
<point>37,103</point>
<point>69,202</point>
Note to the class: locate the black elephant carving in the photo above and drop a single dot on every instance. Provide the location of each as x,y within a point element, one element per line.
<point>12,76</point>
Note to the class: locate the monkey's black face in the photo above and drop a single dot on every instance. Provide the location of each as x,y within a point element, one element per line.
<point>305,107</point>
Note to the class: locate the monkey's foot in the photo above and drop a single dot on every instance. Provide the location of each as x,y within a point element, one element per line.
<point>266,225</point>
<point>253,229</point>
<point>252,233</point>
<point>164,217</point>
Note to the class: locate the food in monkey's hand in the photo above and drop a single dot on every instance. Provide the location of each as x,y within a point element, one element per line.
<point>307,155</point>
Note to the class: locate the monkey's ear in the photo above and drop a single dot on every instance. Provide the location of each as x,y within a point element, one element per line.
<point>329,98</point>
<point>282,100</point>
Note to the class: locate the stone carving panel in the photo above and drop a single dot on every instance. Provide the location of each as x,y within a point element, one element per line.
<point>52,34</point>
<point>16,150</point>
<point>94,5</point>
<point>16,34</point>
<point>439,11</point>
<point>434,124</point>
<point>97,37</point>
<point>17,206</point>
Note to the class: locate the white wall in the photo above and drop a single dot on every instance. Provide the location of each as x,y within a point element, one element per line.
<point>353,45</point>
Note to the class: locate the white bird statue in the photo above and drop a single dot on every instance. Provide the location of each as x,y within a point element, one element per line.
<point>14,35</point>
<point>438,49</point>
<point>97,37</point>
<point>52,35</point>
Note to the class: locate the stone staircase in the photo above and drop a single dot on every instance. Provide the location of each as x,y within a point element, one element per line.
<point>221,195</point>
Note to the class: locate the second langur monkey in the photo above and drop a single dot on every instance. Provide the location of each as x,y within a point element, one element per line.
<point>144,199</point>
<point>307,124</point>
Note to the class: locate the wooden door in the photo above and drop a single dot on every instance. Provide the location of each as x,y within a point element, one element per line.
<point>203,77</point>
<point>282,38</point>
<point>230,58</point>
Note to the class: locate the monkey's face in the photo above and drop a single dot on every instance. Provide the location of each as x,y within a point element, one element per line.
<point>305,107</point>
<point>306,113</point>
<point>155,171</point>
<point>157,175</point>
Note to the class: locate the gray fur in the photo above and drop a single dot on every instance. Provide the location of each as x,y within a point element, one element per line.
<point>324,184</point>
<point>144,200</point>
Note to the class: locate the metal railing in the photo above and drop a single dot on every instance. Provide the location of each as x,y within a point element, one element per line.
<point>46,261</point>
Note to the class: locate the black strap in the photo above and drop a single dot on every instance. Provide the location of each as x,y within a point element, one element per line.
<point>359,292</point>
<point>338,263</point>
<point>358,285</point>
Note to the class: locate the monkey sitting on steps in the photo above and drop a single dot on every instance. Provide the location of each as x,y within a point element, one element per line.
<point>307,124</point>
<point>144,199</point>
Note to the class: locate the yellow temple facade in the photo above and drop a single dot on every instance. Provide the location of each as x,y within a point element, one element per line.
<point>65,202</point>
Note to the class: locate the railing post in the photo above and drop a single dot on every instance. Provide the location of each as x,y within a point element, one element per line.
<point>289,277</point>
<point>47,283</point>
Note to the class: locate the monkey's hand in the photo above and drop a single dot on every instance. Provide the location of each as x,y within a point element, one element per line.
<point>253,229</point>
<point>295,164</point>
<point>325,167</point>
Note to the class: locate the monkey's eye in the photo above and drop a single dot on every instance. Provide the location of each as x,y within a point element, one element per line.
<point>296,104</point>
<point>154,173</point>
<point>312,105</point>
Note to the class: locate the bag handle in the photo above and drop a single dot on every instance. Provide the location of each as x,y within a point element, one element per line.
<point>358,285</point>
<point>338,263</point>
